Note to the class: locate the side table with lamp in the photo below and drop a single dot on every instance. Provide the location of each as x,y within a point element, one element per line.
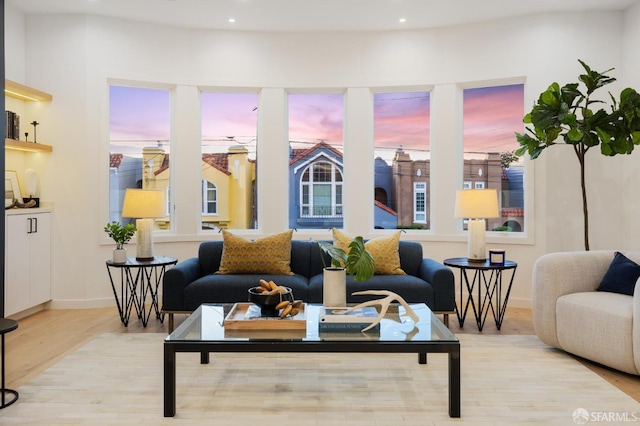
<point>138,279</point>
<point>141,276</point>
<point>487,282</point>
<point>476,205</point>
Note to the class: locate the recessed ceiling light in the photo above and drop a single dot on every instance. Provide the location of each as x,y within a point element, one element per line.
<point>232,20</point>
<point>402,20</point>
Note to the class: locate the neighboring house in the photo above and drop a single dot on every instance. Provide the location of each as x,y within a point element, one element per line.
<point>384,217</point>
<point>124,172</point>
<point>410,190</point>
<point>316,191</point>
<point>401,191</point>
<point>382,182</point>
<point>228,190</point>
<point>227,186</point>
<point>410,183</point>
<point>315,195</point>
<point>513,197</point>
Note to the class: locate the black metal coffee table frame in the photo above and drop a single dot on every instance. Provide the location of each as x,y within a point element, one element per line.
<point>257,345</point>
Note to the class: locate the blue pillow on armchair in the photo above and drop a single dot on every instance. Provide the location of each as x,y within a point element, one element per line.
<point>621,276</point>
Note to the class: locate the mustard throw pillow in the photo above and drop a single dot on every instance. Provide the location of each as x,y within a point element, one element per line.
<point>383,249</point>
<point>268,255</point>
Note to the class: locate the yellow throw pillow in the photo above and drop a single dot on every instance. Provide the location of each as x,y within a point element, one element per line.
<point>268,255</point>
<point>383,249</point>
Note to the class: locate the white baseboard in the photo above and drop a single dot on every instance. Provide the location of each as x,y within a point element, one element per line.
<point>520,303</point>
<point>82,303</point>
<point>30,311</point>
<point>513,302</point>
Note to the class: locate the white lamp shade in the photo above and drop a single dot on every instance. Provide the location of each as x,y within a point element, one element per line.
<point>476,203</point>
<point>143,203</point>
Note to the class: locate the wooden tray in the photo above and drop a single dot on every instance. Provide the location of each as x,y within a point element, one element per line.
<point>237,319</point>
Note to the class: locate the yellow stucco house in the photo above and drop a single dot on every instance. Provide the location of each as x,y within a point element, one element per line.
<point>227,186</point>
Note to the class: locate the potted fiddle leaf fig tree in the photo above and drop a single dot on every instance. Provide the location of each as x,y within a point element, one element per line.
<point>356,261</point>
<point>121,235</point>
<point>570,115</point>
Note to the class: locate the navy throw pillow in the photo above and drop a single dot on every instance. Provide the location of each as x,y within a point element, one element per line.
<point>621,276</point>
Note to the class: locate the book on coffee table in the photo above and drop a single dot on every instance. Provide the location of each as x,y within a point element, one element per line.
<point>338,320</point>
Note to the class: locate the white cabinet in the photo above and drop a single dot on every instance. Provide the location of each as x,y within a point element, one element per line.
<point>27,259</point>
<point>27,231</point>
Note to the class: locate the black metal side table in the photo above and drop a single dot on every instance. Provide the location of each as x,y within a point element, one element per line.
<point>139,279</point>
<point>7,325</point>
<point>487,278</point>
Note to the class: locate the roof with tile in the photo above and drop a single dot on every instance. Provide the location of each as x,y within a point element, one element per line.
<point>298,154</point>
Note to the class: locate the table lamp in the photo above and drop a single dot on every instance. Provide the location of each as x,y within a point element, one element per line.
<point>476,205</point>
<point>145,205</point>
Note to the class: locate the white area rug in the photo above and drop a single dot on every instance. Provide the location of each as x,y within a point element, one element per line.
<point>506,380</point>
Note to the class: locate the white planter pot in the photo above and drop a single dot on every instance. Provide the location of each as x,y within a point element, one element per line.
<point>120,255</point>
<point>334,287</point>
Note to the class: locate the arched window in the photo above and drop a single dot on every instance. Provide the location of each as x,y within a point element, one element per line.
<point>381,196</point>
<point>209,197</point>
<point>321,191</point>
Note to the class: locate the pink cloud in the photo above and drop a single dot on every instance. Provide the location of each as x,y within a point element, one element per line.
<point>315,117</point>
<point>491,117</point>
<point>402,119</point>
<point>139,114</point>
<point>229,114</point>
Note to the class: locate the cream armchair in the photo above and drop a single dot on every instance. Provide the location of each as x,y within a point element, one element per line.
<point>568,312</point>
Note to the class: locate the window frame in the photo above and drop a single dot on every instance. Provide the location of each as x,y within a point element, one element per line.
<point>182,183</point>
<point>309,184</point>
<point>526,235</point>
<point>205,199</point>
<point>141,84</point>
<point>417,191</point>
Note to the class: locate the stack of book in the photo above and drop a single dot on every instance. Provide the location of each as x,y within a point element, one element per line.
<point>337,320</point>
<point>12,125</point>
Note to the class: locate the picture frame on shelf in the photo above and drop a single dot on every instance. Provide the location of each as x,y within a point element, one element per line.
<point>11,188</point>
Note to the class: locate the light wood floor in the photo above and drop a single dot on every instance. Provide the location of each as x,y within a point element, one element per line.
<point>46,337</point>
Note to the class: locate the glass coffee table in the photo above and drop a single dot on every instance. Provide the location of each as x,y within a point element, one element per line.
<point>204,332</point>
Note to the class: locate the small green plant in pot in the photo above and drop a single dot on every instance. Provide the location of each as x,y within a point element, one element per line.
<point>358,261</point>
<point>121,235</point>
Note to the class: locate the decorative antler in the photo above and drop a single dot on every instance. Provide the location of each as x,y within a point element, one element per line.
<point>384,305</point>
<point>15,203</point>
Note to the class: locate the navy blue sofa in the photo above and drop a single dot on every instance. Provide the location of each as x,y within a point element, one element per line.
<point>193,282</point>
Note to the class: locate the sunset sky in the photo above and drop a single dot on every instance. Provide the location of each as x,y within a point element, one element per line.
<point>491,116</point>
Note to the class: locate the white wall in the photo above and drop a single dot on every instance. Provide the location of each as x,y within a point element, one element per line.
<point>627,216</point>
<point>73,56</point>
<point>14,44</point>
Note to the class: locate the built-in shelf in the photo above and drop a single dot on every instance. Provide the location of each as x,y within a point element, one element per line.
<point>25,93</point>
<point>26,146</point>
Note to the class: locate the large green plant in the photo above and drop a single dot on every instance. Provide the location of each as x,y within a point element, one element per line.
<point>568,115</point>
<point>358,261</point>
